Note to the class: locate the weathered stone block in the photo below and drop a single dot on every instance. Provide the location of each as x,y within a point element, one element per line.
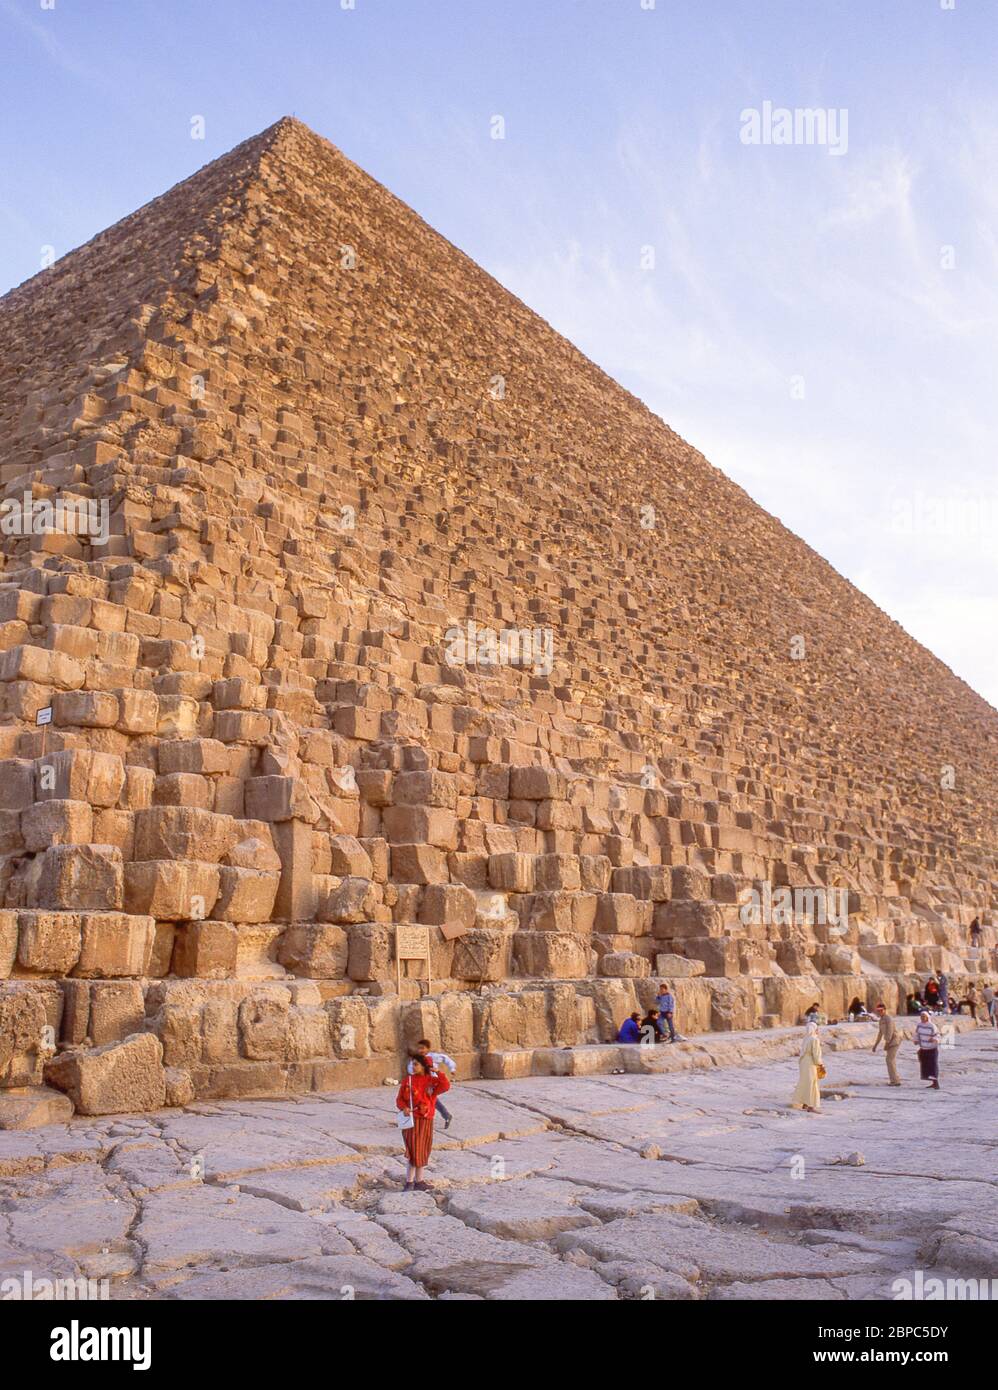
<point>317,950</point>
<point>80,877</point>
<point>183,832</point>
<point>115,945</point>
<point>113,1079</point>
<point>171,890</point>
<point>206,950</point>
<point>245,895</point>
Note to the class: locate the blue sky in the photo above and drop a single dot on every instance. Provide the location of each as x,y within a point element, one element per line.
<point>822,326</point>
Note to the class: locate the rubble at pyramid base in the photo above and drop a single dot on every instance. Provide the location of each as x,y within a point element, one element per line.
<point>266,819</point>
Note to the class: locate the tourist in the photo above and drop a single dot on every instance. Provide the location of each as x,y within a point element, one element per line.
<point>665,1002</point>
<point>932,993</point>
<point>807,1096</point>
<point>975,932</point>
<point>891,1036</point>
<point>927,1037</point>
<point>944,991</point>
<point>913,1004</point>
<point>858,1012</point>
<point>651,1028</point>
<point>814,1015</point>
<point>970,1001</point>
<point>630,1030</point>
<point>990,1003</point>
<point>439,1059</point>
<point>417,1100</point>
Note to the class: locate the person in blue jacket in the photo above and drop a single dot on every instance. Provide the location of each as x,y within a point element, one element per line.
<point>630,1030</point>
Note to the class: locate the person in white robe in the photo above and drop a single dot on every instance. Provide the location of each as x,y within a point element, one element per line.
<point>808,1095</point>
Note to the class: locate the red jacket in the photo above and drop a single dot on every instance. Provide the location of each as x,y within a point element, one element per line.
<point>425,1090</point>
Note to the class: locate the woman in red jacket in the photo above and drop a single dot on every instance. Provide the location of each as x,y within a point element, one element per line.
<point>418,1097</point>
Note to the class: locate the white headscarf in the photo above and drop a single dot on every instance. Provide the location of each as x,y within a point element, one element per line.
<point>811,1031</point>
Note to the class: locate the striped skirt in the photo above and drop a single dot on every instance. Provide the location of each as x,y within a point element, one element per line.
<point>419,1141</point>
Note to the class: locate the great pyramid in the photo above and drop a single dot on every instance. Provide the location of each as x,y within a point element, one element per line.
<point>406,616</point>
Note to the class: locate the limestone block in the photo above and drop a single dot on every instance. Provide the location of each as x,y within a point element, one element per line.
<point>183,789</point>
<point>483,954</point>
<point>138,789</point>
<point>550,955</point>
<point>685,918</point>
<point>206,950</point>
<point>79,774</point>
<point>171,890</point>
<point>651,882</point>
<point>456,1023</point>
<point>202,756</point>
<point>56,823</point>
<point>114,1079</point>
<point>511,873</point>
<point>690,883</point>
<point>179,1086</point>
<point>624,965</point>
<point>352,900</point>
<point>80,876</point>
<point>33,1107</point>
<point>8,943</point>
<point>24,1019</point>
<point>371,952</point>
<point>733,1005</point>
<point>263,1025</point>
<point>116,1010</point>
<point>317,950</point>
<point>115,945</point>
<point>138,712</point>
<point>595,871</point>
<point>55,669</point>
<point>536,784</point>
<point>450,904</point>
<point>420,863</point>
<point>296,895</point>
<point>245,895</point>
<point>349,1027</point>
<point>429,825</point>
<point>670,967</point>
<point>557,871</point>
<point>545,912</point>
<point>616,914</point>
<point>348,858</point>
<point>17,784</point>
<point>183,832</point>
<point>426,787</point>
<point>117,828</point>
<point>89,709</point>
<point>277,799</point>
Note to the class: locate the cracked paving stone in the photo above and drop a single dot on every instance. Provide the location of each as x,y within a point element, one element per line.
<point>532,1210</point>
<point>450,1257</point>
<point>666,1240</point>
<point>216,1227</point>
<point>345,1277</point>
<point>78,1215</point>
<point>310,1189</point>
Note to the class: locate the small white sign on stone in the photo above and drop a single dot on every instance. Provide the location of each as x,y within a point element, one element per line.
<point>44,716</point>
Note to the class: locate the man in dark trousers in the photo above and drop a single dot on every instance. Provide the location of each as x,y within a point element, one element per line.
<point>665,1002</point>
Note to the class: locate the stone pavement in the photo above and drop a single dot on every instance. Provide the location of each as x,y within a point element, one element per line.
<point>687,1185</point>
